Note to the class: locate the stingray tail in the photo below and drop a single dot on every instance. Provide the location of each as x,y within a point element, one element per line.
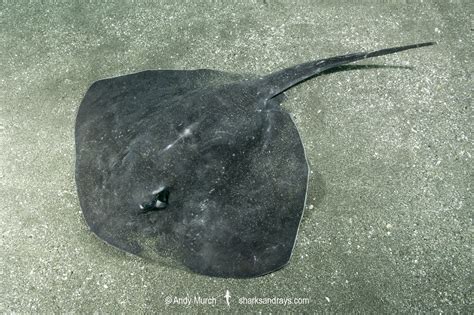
<point>282,80</point>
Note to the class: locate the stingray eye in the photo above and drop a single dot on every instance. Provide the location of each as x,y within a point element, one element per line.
<point>162,197</point>
<point>158,201</point>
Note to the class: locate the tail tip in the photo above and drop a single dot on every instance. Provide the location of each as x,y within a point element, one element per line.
<point>427,44</point>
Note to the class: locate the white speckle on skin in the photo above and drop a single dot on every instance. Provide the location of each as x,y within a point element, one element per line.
<point>187,132</point>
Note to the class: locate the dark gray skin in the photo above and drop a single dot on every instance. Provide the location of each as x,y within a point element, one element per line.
<point>202,166</point>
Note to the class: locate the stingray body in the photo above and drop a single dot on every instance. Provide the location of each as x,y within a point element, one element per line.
<point>202,166</point>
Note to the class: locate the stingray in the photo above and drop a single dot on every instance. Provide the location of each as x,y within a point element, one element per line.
<point>201,166</point>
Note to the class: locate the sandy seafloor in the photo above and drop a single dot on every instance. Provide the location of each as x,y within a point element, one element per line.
<point>387,226</point>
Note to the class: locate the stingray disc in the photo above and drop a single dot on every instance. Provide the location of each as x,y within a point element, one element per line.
<point>203,166</point>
